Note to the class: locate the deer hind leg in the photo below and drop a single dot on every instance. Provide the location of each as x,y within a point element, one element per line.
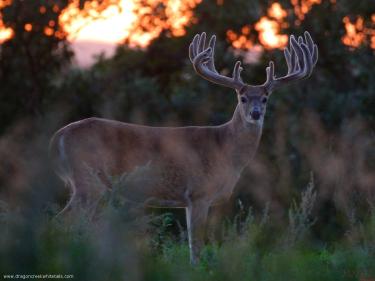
<point>77,197</point>
<point>196,218</point>
<point>68,206</point>
<point>80,197</point>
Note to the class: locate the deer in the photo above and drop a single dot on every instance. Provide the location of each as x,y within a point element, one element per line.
<point>197,166</point>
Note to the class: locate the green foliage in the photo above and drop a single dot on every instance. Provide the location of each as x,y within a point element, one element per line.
<point>300,216</point>
<point>110,249</point>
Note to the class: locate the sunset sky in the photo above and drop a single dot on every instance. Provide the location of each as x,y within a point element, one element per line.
<point>92,36</point>
<point>101,33</point>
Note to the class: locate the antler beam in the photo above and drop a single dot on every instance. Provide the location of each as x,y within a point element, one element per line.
<point>202,58</point>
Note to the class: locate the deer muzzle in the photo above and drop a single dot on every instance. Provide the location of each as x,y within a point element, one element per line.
<point>255,114</point>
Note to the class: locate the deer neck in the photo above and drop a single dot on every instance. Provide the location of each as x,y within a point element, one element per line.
<point>245,138</point>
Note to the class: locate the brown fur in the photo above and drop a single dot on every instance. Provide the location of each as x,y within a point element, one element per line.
<point>195,167</point>
<point>204,162</point>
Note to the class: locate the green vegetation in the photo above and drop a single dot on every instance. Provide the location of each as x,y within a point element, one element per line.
<point>120,244</point>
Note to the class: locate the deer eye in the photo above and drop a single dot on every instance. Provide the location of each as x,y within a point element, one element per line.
<point>243,100</point>
<point>264,100</point>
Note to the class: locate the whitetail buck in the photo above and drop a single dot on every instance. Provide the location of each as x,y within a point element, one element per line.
<point>196,166</point>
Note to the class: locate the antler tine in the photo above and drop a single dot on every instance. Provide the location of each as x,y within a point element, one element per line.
<point>192,48</point>
<point>288,58</point>
<point>270,70</point>
<point>308,60</point>
<point>202,58</point>
<point>211,44</point>
<point>294,59</point>
<point>202,42</point>
<point>301,59</point>
<point>299,55</point>
<point>237,71</point>
<point>313,48</point>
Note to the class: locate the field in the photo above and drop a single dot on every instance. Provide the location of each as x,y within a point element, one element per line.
<point>304,206</point>
<point>123,243</point>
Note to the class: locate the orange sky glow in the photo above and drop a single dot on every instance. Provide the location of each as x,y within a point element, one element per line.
<point>110,27</point>
<point>116,23</point>
<point>5,33</point>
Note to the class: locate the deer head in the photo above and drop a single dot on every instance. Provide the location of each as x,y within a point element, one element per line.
<point>301,57</point>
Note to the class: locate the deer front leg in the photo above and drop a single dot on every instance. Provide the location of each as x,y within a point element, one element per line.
<point>196,217</point>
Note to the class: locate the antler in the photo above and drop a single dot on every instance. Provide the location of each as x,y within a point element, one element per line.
<point>202,58</point>
<point>301,59</point>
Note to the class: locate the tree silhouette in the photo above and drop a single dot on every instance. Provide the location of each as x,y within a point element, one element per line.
<point>37,51</point>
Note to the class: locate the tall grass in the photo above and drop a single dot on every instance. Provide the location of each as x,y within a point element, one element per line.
<point>118,244</point>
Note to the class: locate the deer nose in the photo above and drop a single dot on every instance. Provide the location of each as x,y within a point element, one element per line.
<point>255,114</point>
